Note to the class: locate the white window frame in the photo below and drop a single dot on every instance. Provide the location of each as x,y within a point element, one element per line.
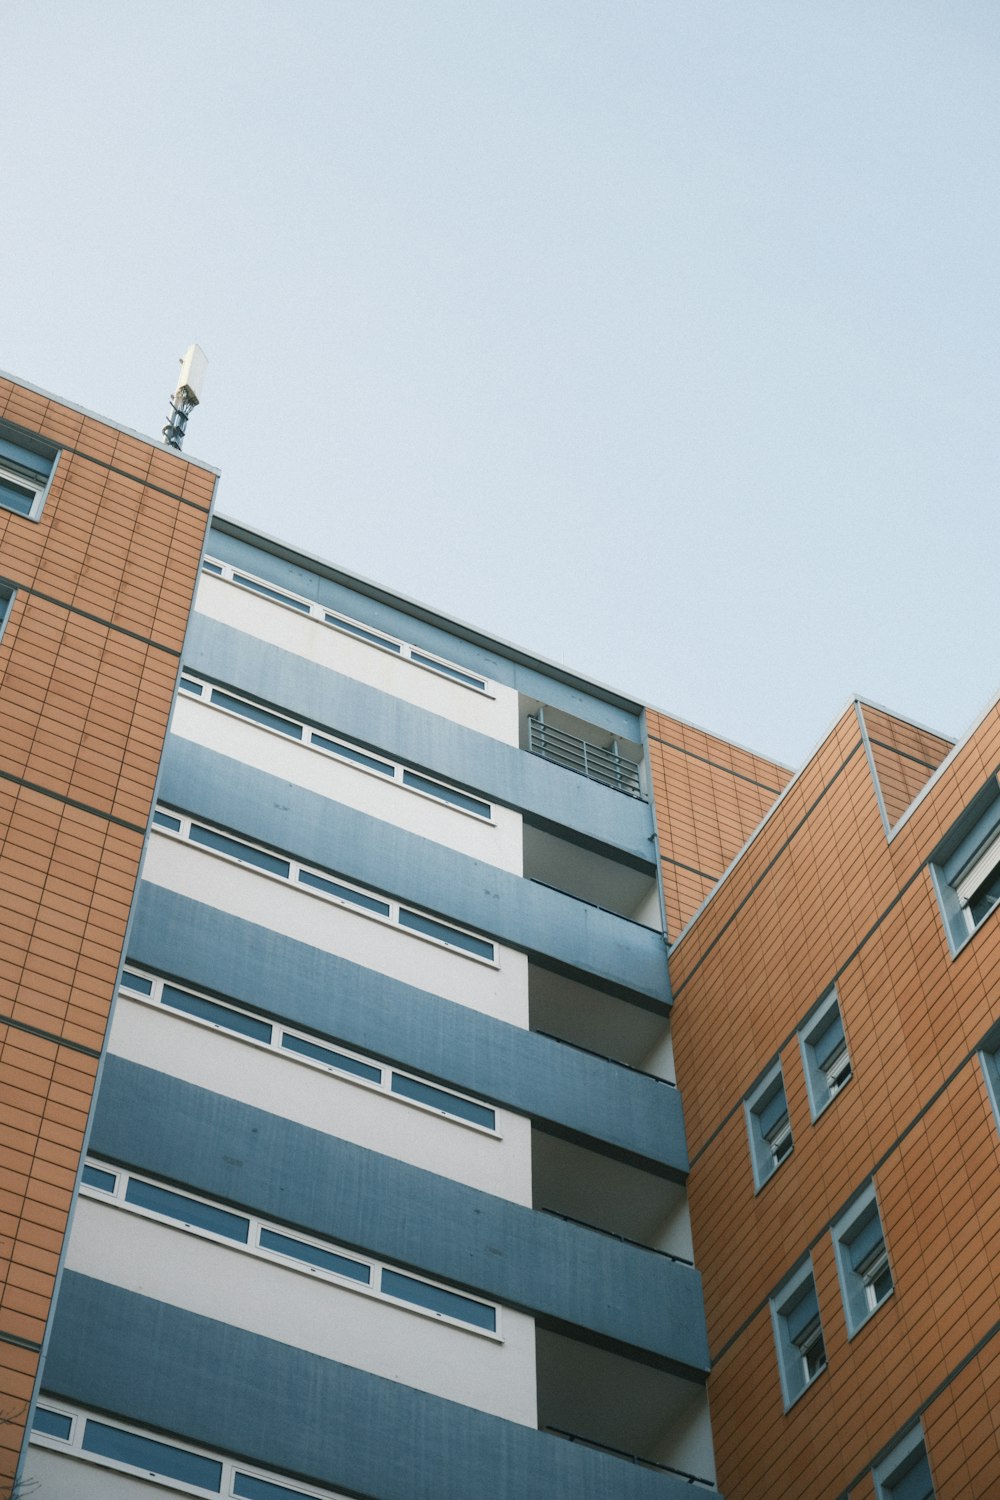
<point>765,1156</point>
<point>965,859</point>
<point>858,1279</point>
<point>828,1076</point>
<point>231,1469</point>
<point>24,479</point>
<point>201,690</point>
<point>256,1224</point>
<point>279,1031</point>
<point>299,874</point>
<point>370,635</point>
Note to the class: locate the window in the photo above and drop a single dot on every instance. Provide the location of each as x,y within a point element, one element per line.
<point>905,1474</point>
<point>127,1190</point>
<point>966,867</point>
<point>26,465</point>
<point>6,599</point>
<point>862,1260</point>
<point>825,1057</point>
<point>798,1333</point>
<point>768,1125</point>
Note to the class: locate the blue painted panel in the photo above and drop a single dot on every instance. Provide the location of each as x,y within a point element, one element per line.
<point>378,608</point>
<point>276,1168</point>
<point>312,1418</point>
<point>426,741</point>
<point>388,1019</point>
<point>569,934</point>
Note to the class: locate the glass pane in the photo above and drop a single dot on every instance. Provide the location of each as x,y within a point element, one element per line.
<point>446,794</point>
<point>262,588</point>
<point>332,1058</point>
<point>348,752</point>
<point>54,1423</point>
<point>155,1458</point>
<point>986,897</point>
<point>187,1210</point>
<point>312,1255</point>
<point>362,634</point>
<point>439,666</point>
<point>444,933</point>
<point>252,1488</point>
<point>257,715</point>
<point>211,567</point>
<point>238,850</point>
<point>166,820</point>
<point>344,892</point>
<point>221,1015</point>
<point>137,983</point>
<point>426,1093</point>
<point>452,1304</point>
<point>95,1178</point>
<point>16,497</point>
<point>188,685</point>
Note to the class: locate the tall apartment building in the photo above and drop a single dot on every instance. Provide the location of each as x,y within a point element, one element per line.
<point>382,956</point>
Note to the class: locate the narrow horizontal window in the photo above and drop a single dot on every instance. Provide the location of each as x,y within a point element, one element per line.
<point>372,637</point>
<point>366,901</point>
<point>222,843</point>
<point>257,1237</point>
<point>104,1182</point>
<point>219,1015</point>
<point>426,1093</point>
<point>447,671</point>
<point>331,1057</point>
<point>248,1487</point>
<point>344,892</point>
<point>192,685</point>
<point>270,593</point>
<point>348,752</point>
<point>53,1423</point>
<point>256,714</point>
<point>245,1023</point>
<point>365,635</point>
<point>166,820</point>
<point>436,1299</point>
<point>445,934</point>
<point>447,794</point>
<point>152,1456</point>
<point>190,1211</point>
<point>312,1255</point>
<point>137,982</point>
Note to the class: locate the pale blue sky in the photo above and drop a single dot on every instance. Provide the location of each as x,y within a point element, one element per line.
<point>658,337</point>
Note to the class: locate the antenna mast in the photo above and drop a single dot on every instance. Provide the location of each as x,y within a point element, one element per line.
<point>186,396</point>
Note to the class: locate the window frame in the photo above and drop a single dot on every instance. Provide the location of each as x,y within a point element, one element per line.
<point>903,1457</point>
<point>23,476</point>
<point>764,1160</point>
<point>964,862</point>
<point>859,1277</point>
<point>792,1343</point>
<point>822,1085</point>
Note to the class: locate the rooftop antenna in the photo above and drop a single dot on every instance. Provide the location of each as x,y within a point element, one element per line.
<point>186,396</point>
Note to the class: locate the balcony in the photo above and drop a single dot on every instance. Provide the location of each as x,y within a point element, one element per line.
<point>597,763</point>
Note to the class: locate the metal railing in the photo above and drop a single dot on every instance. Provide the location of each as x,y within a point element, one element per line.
<point>574,754</point>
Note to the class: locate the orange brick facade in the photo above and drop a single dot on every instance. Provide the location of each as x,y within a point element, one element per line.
<point>835,889</point>
<point>103,582</point>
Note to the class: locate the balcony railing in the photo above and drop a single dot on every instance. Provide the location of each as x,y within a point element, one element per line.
<point>574,754</point>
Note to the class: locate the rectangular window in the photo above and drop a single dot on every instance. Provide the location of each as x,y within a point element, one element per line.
<point>313,1255</point>
<point>6,599</point>
<point>219,1015</point>
<point>331,1057</point>
<point>104,1182</point>
<point>905,1473</point>
<point>53,1423</point>
<point>348,752</point>
<point>151,1456</point>
<point>447,794</point>
<point>798,1333</point>
<point>862,1260</point>
<point>278,595</point>
<point>236,849</point>
<point>825,1057</point>
<point>188,1211</point>
<point>363,634</point>
<point>417,922</point>
<point>344,892</point>
<point>965,867</point>
<point>442,1099</point>
<point>436,1299</point>
<point>768,1125</point>
<point>26,466</point>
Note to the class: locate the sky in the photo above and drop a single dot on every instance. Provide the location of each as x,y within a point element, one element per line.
<point>659,337</point>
